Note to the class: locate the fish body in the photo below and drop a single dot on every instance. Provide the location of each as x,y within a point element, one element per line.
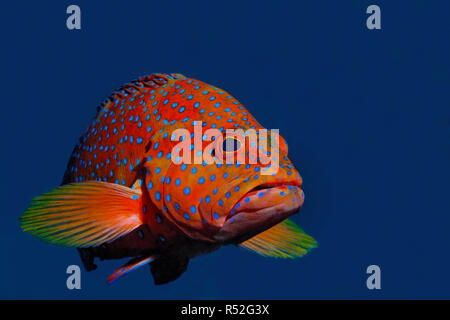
<point>148,181</point>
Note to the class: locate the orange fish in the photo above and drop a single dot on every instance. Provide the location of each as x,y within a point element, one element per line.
<point>136,186</point>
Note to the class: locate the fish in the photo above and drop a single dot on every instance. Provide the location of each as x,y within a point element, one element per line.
<point>147,181</point>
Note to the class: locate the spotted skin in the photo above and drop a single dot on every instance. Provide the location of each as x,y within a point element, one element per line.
<point>129,143</point>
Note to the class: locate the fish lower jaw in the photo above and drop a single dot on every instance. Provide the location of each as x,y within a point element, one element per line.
<point>257,212</point>
<point>268,195</point>
<point>245,225</point>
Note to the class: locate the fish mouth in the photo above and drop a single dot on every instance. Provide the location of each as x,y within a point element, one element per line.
<point>261,208</point>
<point>268,192</point>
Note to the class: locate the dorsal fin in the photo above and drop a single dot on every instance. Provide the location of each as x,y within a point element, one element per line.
<point>153,80</point>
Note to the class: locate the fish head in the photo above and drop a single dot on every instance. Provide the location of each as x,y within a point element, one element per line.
<point>228,198</point>
<point>214,171</point>
<point>257,196</point>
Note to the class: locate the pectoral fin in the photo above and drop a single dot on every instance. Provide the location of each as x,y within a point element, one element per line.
<point>284,240</point>
<point>84,214</point>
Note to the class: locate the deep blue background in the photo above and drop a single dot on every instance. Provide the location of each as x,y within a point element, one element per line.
<point>365,113</point>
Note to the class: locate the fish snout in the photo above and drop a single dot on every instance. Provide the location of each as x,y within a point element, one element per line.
<point>260,209</point>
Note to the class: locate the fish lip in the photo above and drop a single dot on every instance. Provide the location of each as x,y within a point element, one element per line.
<point>270,185</point>
<point>256,216</point>
<point>264,186</point>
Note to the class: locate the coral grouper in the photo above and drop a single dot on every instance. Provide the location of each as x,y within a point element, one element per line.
<point>129,192</point>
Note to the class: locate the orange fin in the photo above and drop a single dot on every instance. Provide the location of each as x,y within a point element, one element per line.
<point>283,240</point>
<point>132,265</point>
<point>85,214</point>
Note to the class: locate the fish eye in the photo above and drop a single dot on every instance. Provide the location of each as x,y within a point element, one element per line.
<point>231,145</point>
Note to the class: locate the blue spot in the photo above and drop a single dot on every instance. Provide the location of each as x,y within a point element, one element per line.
<point>207,199</point>
<point>186,216</point>
<point>177,182</point>
<point>201,180</point>
<point>220,202</point>
<point>216,215</point>
<point>193,209</point>
<point>260,194</point>
<point>247,199</point>
<point>135,197</point>
<point>157,196</point>
<point>187,190</point>
<point>213,177</point>
<point>168,198</point>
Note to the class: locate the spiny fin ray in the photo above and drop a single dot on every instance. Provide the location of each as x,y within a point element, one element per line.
<point>132,265</point>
